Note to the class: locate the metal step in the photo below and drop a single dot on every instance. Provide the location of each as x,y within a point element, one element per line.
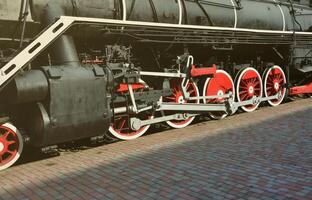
<point>306,69</point>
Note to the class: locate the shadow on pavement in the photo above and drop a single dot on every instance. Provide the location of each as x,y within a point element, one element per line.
<point>268,160</point>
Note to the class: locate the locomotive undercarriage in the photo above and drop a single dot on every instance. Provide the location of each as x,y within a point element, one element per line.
<point>126,97</point>
<point>187,106</point>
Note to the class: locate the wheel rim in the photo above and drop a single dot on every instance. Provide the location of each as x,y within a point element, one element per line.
<point>121,128</point>
<point>177,97</point>
<point>249,84</point>
<point>274,79</point>
<point>220,84</point>
<point>11,145</point>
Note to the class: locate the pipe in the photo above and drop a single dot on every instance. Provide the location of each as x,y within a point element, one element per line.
<point>63,51</point>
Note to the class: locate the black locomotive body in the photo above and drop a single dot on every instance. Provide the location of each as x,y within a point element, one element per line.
<point>74,69</point>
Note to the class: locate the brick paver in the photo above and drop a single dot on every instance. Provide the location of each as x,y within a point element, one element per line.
<point>262,155</point>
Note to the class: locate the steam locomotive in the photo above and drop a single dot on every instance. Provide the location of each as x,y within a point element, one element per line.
<point>74,69</point>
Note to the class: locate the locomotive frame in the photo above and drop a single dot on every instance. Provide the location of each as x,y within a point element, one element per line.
<point>51,103</point>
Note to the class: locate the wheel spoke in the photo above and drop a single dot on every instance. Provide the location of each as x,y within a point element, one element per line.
<point>6,134</point>
<point>188,86</point>
<point>10,152</point>
<point>270,78</point>
<point>192,91</point>
<point>243,97</point>
<point>171,98</point>
<point>269,92</point>
<point>279,76</point>
<point>11,142</point>
<point>252,80</point>
<point>122,124</point>
<point>176,90</point>
<point>243,83</point>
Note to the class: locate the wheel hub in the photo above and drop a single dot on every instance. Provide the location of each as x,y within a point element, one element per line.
<point>181,100</point>
<point>220,93</point>
<point>276,85</point>
<point>251,90</point>
<point>1,147</point>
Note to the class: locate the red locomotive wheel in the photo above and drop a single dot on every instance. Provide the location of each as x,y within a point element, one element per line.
<point>11,145</point>
<point>177,97</point>
<point>220,84</point>
<point>248,84</point>
<point>274,78</point>
<point>121,128</point>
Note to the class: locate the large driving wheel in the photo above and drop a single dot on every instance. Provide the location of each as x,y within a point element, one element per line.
<point>248,84</point>
<point>274,80</point>
<point>120,128</point>
<point>177,97</point>
<point>220,84</point>
<point>11,145</point>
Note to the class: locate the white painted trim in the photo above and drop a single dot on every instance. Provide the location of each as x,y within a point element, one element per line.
<point>235,14</point>
<point>180,12</point>
<point>167,25</point>
<point>283,15</point>
<point>124,10</point>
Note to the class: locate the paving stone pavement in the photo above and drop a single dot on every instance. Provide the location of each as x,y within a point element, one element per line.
<point>262,155</point>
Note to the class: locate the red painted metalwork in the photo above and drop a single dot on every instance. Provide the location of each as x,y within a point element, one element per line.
<point>273,81</point>
<point>248,84</point>
<point>177,97</point>
<point>304,89</point>
<point>220,84</point>
<point>9,145</point>
<point>121,127</point>
<point>123,87</point>
<point>195,72</point>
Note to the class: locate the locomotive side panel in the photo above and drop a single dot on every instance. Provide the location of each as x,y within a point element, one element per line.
<point>163,11</point>
<point>221,12</point>
<point>260,15</point>
<point>109,9</point>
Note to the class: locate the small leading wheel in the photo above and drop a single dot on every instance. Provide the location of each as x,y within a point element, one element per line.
<point>220,84</point>
<point>11,145</point>
<point>248,84</point>
<point>121,128</point>
<point>177,97</point>
<point>273,80</point>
